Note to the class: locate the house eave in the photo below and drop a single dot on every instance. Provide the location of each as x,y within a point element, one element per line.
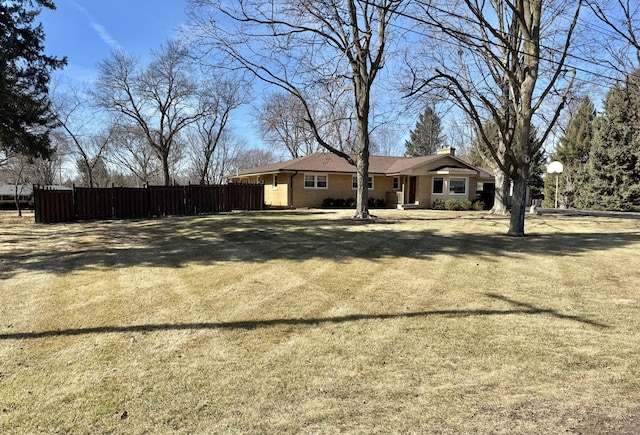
<point>453,171</point>
<point>402,166</point>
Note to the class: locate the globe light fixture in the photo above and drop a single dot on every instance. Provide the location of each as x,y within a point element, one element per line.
<point>555,167</point>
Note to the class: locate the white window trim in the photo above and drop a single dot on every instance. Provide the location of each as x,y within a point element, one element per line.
<point>433,185</point>
<point>393,180</point>
<point>466,186</point>
<point>274,186</point>
<point>354,182</point>
<point>315,181</point>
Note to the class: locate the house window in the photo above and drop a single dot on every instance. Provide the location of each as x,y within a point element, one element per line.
<point>458,186</point>
<point>275,182</point>
<point>309,181</point>
<point>396,183</point>
<point>354,182</point>
<point>315,181</point>
<point>438,185</point>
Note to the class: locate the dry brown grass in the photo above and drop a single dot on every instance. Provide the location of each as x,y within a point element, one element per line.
<point>290,322</point>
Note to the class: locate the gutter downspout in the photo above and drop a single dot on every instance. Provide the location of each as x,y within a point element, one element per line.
<point>291,189</point>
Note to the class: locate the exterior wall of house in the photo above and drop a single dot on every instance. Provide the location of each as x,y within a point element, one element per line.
<point>424,190</point>
<point>425,195</point>
<point>383,185</point>
<point>424,183</point>
<point>291,190</point>
<point>276,195</point>
<point>473,188</point>
<point>338,186</point>
<point>273,196</point>
<point>470,191</point>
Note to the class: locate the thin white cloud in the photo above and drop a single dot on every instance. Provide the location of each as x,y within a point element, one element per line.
<point>102,31</point>
<point>106,36</point>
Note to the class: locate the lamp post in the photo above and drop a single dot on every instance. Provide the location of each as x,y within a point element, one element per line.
<point>555,167</point>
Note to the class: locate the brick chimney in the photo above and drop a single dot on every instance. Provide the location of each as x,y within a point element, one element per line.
<point>449,151</point>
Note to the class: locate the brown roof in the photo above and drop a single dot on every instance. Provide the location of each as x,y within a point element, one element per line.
<point>328,162</point>
<point>321,162</point>
<point>403,163</point>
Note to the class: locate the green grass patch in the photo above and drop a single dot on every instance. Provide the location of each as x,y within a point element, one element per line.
<point>307,321</point>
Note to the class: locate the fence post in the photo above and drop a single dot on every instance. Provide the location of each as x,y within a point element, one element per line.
<point>74,201</point>
<point>113,200</point>
<point>37,213</point>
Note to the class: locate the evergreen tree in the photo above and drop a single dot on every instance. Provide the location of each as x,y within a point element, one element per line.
<point>611,178</point>
<point>479,156</point>
<point>25,119</point>
<point>536,170</point>
<point>573,152</point>
<point>426,137</point>
<point>93,174</point>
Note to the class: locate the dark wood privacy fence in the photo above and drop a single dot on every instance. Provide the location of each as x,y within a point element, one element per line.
<point>54,206</point>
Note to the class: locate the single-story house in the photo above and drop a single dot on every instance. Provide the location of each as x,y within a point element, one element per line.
<point>403,182</point>
<point>8,194</point>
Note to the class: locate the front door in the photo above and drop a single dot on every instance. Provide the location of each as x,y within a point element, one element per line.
<point>412,190</point>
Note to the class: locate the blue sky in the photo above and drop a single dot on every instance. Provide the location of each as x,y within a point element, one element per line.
<point>86,31</point>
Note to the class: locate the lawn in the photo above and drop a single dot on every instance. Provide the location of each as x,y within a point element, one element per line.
<point>308,322</point>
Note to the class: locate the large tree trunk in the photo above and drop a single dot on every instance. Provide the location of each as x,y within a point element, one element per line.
<point>532,11</point>
<point>204,179</point>
<point>362,195</point>
<point>90,175</point>
<point>165,169</point>
<point>519,198</point>
<point>363,99</point>
<point>519,202</point>
<point>501,196</point>
<point>362,160</point>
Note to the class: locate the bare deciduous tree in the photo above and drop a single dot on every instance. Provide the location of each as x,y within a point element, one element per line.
<point>100,175</point>
<point>48,171</point>
<point>203,148</point>
<point>304,47</point>
<point>16,166</point>
<point>226,158</point>
<point>77,123</point>
<point>386,140</point>
<point>251,157</point>
<point>160,100</point>
<point>622,17</point>
<point>460,136</point>
<point>42,171</point>
<point>337,119</point>
<point>282,122</point>
<point>131,153</point>
<point>211,130</point>
<point>496,65</point>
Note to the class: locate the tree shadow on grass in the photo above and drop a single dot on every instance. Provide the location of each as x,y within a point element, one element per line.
<point>261,237</point>
<point>521,308</point>
<point>591,213</point>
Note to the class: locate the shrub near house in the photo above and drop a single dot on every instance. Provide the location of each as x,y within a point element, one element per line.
<point>458,205</point>
<point>351,203</point>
